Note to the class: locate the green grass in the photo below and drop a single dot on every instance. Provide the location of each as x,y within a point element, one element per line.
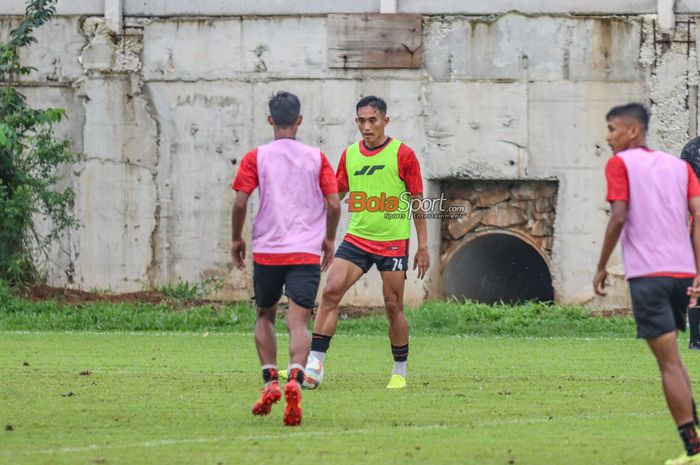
<point>185,290</point>
<point>434,318</point>
<point>182,398</point>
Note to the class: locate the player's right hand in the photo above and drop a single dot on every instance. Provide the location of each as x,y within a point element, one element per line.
<point>328,247</point>
<point>599,282</point>
<point>238,253</point>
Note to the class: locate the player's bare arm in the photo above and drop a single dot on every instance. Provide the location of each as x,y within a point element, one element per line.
<point>694,210</point>
<point>421,261</point>
<point>240,207</point>
<point>332,219</point>
<point>618,215</point>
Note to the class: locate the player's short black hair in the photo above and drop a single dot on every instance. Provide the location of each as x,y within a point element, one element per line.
<point>372,101</point>
<point>691,154</point>
<point>284,109</point>
<point>631,110</point>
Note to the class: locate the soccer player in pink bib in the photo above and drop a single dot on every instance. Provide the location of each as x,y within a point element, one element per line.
<point>293,240</point>
<point>651,194</point>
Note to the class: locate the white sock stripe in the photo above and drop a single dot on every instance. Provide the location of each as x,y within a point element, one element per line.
<point>268,367</point>
<point>320,356</point>
<point>296,365</point>
<point>400,368</point>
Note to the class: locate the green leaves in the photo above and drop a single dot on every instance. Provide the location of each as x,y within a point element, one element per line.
<point>53,115</point>
<point>4,131</point>
<point>30,158</point>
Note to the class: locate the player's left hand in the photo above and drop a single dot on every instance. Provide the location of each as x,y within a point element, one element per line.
<point>599,282</point>
<point>422,261</point>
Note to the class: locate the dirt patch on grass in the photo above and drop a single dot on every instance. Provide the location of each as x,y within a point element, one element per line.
<point>66,296</point>
<point>614,313</point>
<point>359,311</point>
<point>72,296</point>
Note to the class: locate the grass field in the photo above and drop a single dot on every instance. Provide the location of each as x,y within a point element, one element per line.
<point>184,398</point>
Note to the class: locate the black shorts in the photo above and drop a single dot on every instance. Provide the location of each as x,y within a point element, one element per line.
<point>659,305</point>
<point>300,284</point>
<point>365,260</point>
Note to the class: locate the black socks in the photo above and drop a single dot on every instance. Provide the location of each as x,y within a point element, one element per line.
<point>694,324</point>
<point>400,353</point>
<point>269,375</point>
<point>320,343</point>
<point>690,438</point>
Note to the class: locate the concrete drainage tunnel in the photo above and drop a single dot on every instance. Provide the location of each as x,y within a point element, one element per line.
<point>498,267</point>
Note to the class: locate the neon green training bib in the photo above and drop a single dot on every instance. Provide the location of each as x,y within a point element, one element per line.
<point>378,197</point>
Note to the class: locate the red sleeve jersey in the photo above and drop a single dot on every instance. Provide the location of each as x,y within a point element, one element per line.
<point>328,183</point>
<point>247,176</point>
<point>247,181</point>
<point>618,185</point>
<point>618,189</point>
<point>409,172</point>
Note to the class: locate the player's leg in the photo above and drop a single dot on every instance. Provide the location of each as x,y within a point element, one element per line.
<point>298,318</point>
<point>341,276</point>
<point>349,265</point>
<point>265,339</point>
<point>267,282</point>
<point>301,284</point>
<point>681,313</point>
<point>299,340</point>
<point>690,389</point>
<point>658,304</point>
<point>694,325</point>
<point>673,377</point>
<point>393,282</point>
<point>301,287</point>
<point>679,304</point>
<point>678,395</point>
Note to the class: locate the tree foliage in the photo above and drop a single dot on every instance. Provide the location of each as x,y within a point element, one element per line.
<point>30,156</point>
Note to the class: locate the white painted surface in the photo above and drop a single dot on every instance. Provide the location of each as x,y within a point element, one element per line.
<point>170,8</point>
<point>114,15</point>
<point>389,6</point>
<point>163,110</point>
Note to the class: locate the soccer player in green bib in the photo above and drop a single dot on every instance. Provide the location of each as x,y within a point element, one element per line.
<point>382,177</point>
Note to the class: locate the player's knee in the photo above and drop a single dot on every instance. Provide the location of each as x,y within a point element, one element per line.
<point>671,366</point>
<point>332,294</point>
<point>393,305</point>
<point>298,329</point>
<point>266,313</point>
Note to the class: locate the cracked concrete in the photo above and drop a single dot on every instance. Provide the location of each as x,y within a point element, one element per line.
<point>672,69</point>
<point>165,114</point>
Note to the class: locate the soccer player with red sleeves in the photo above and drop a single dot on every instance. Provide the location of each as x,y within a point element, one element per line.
<point>651,194</point>
<point>375,171</point>
<point>295,225</point>
<point>691,154</point>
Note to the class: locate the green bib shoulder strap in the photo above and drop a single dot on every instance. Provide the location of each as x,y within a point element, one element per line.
<point>377,193</point>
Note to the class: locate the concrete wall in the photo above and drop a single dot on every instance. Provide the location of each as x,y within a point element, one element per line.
<point>165,111</point>
<point>313,7</point>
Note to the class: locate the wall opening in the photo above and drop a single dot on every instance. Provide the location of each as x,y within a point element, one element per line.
<point>499,247</point>
<point>497,267</point>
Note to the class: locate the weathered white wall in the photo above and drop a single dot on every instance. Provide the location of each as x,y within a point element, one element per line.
<point>165,112</point>
<point>311,7</point>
